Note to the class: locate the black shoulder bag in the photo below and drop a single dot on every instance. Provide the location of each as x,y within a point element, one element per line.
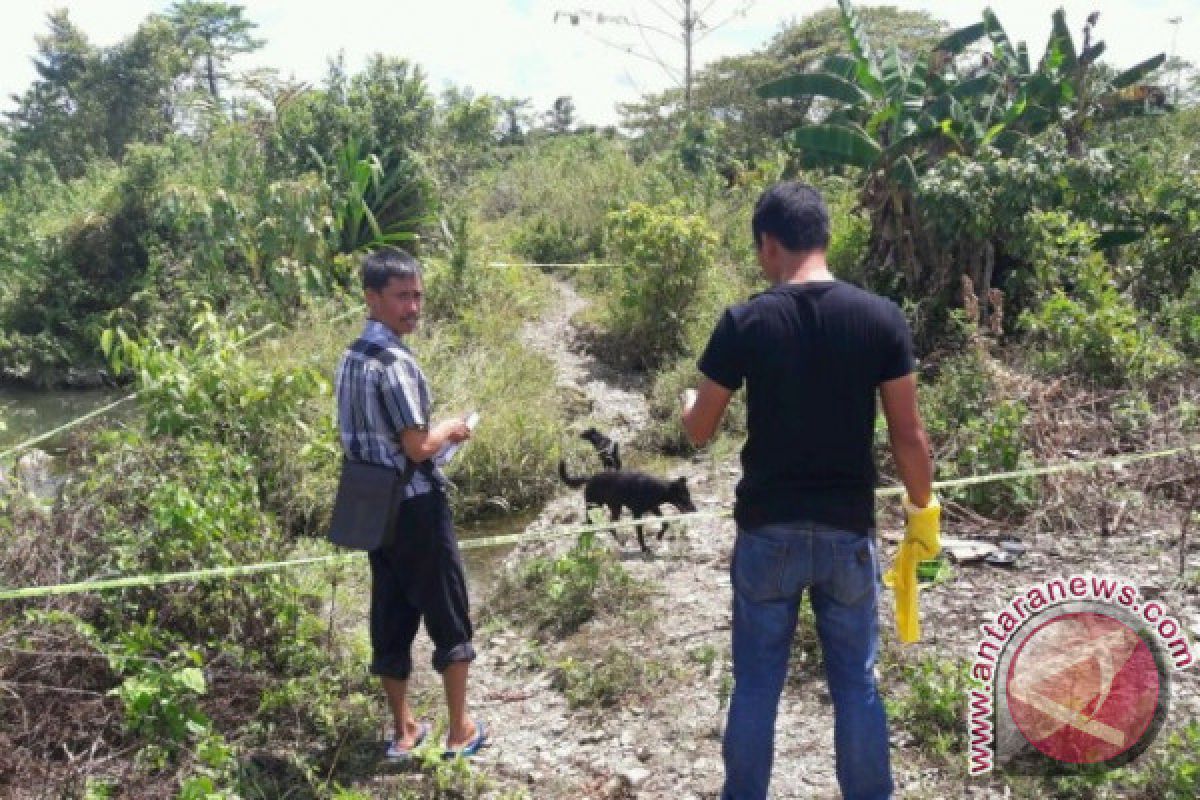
<point>368,495</point>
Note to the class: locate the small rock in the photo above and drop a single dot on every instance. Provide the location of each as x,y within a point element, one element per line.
<point>614,787</point>
<point>635,776</point>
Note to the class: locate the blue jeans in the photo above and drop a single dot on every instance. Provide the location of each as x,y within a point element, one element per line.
<point>772,566</point>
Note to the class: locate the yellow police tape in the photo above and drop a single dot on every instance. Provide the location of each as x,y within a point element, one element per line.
<point>137,581</point>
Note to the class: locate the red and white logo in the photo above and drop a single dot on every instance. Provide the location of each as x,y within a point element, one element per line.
<point>1083,688</point>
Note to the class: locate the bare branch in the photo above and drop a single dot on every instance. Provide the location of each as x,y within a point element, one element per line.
<point>741,12</point>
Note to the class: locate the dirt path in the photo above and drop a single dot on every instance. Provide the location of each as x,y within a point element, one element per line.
<point>616,402</point>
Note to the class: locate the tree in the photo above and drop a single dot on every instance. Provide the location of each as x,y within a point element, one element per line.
<point>723,92</point>
<point>212,33</point>
<point>896,117</point>
<point>515,111</point>
<point>561,115</point>
<point>89,101</point>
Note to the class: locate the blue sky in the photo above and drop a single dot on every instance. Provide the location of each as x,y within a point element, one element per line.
<point>516,48</point>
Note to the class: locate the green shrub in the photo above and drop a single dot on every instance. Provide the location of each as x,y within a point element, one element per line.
<point>665,258</point>
<point>976,433</point>
<point>928,702</point>
<point>1183,317</point>
<point>606,679</point>
<point>546,238</point>
<point>558,595</point>
<point>1172,772</point>
<point>1096,331</point>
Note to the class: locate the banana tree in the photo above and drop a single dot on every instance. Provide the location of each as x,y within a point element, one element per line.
<point>1069,89</point>
<point>895,120</point>
<point>889,118</point>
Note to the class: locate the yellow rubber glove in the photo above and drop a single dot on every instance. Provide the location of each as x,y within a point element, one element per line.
<point>922,541</point>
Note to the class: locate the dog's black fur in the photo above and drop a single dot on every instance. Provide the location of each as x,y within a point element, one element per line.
<point>610,451</point>
<point>640,493</point>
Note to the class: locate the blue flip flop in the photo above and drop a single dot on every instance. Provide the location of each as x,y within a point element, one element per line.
<point>472,747</point>
<point>397,753</point>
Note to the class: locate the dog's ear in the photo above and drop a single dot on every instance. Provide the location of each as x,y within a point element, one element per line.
<point>681,482</point>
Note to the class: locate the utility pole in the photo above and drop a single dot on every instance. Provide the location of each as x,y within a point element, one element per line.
<point>1174,23</point>
<point>689,27</point>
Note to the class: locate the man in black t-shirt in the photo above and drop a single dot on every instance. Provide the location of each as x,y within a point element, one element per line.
<point>812,352</point>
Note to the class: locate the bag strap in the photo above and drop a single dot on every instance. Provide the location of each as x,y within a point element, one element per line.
<point>387,358</point>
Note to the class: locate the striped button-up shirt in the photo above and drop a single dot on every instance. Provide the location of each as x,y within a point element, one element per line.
<point>376,402</point>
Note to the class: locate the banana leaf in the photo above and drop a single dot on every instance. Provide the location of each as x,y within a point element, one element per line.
<point>1138,71</point>
<point>1092,53</point>
<point>999,37</point>
<point>842,66</point>
<point>1062,35</point>
<point>904,173</point>
<point>1116,237</point>
<point>960,39</point>
<point>856,36</point>
<point>893,75</point>
<point>815,84</point>
<point>843,144</point>
<point>975,87</point>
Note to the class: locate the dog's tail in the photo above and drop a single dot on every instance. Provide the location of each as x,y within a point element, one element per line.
<point>574,483</point>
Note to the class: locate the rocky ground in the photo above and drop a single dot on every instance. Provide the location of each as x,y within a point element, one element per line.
<point>662,740</point>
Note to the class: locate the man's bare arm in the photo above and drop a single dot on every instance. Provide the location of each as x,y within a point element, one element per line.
<point>420,445</point>
<point>910,444</point>
<point>703,409</point>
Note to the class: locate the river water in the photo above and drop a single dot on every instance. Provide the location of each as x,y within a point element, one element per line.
<point>28,412</point>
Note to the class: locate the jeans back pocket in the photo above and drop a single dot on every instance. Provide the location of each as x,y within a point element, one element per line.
<point>758,565</point>
<point>853,573</point>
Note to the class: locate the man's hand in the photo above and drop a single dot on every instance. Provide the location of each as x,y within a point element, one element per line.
<point>702,410</point>
<point>922,526</point>
<point>456,430</point>
<point>422,445</point>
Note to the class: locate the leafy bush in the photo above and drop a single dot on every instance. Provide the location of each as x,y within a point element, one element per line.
<point>1096,331</point>
<point>547,238</point>
<point>974,433</point>
<point>558,595</point>
<point>665,258</point>
<point>547,202</point>
<point>1183,317</point>
<point>929,703</point>
<point>1173,771</point>
<point>606,679</point>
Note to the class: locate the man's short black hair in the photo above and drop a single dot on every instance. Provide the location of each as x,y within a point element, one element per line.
<point>793,213</point>
<point>380,266</point>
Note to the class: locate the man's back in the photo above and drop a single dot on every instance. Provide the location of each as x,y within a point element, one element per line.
<point>812,356</point>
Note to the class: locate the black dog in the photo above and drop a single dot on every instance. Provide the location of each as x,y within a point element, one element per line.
<point>640,493</point>
<point>610,451</point>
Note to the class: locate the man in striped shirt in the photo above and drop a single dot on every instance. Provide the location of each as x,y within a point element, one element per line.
<point>383,405</point>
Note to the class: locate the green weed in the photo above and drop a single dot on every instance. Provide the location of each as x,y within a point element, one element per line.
<point>928,700</point>
<point>558,595</point>
<point>606,679</point>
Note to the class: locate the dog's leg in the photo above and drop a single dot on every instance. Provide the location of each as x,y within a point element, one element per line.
<point>640,534</point>
<point>616,455</point>
<point>614,513</point>
<point>665,525</point>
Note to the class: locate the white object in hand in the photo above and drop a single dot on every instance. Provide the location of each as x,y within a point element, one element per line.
<point>447,452</point>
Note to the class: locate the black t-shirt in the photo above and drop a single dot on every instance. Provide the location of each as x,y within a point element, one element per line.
<point>812,356</point>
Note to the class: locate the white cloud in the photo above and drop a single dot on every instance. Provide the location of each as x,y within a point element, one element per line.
<point>515,48</point>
